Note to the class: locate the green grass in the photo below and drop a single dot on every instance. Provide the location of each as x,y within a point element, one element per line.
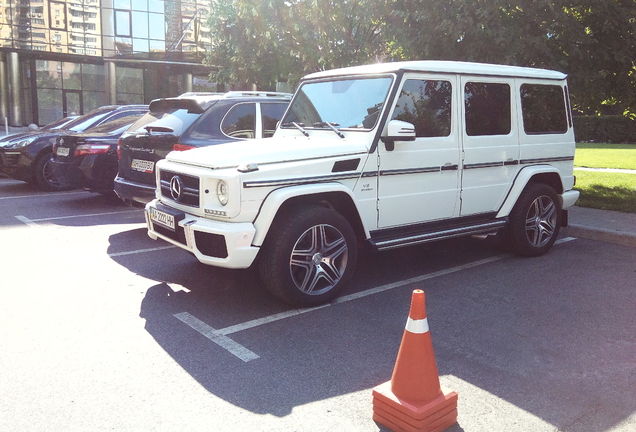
<point>592,155</point>
<point>607,191</point>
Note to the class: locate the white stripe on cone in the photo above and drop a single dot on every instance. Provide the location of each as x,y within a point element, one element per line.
<point>417,326</point>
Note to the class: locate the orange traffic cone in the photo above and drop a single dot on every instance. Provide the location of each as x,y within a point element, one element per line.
<point>414,401</point>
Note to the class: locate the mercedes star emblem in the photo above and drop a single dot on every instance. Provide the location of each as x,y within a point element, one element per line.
<point>176,185</point>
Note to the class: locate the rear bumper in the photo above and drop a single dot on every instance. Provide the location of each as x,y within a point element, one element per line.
<point>132,192</point>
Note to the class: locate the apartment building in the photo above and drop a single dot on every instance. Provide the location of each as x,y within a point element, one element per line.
<point>62,58</point>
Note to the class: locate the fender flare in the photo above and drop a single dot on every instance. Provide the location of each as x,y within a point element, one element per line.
<point>273,202</point>
<point>521,181</point>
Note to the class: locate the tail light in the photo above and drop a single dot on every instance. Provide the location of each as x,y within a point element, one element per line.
<point>182,147</point>
<point>119,149</point>
<point>87,149</point>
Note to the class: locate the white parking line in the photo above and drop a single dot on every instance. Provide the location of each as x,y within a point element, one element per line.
<point>209,332</point>
<point>141,251</point>
<point>33,222</point>
<point>43,195</point>
<point>214,335</point>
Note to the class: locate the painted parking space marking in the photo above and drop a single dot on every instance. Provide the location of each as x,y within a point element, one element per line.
<point>117,254</point>
<point>42,195</point>
<point>219,336</point>
<point>212,334</point>
<point>34,222</point>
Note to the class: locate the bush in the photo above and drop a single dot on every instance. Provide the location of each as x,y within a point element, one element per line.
<point>605,129</point>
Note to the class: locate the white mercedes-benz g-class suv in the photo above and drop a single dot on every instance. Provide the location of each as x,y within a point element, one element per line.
<point>391,154</point>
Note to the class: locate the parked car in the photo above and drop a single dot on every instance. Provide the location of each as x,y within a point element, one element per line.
<point>27,157</point>
<point>387,155</point>
<point>189,121</point>
<point>58,124</point>
<point>89,160</point>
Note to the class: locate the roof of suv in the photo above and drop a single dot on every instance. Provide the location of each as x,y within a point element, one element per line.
<point>443,66</point>
<point>197,102</point>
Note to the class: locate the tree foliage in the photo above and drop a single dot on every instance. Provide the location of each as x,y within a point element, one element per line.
<point>594,41</point>
<point>262,41</point>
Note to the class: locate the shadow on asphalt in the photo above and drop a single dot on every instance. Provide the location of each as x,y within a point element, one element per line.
<point>527,331</point>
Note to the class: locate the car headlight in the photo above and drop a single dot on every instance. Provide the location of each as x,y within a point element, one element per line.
<point>20,143</point>
<point>223,192</point>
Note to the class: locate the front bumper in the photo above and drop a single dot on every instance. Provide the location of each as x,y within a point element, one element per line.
<point>221,244</point>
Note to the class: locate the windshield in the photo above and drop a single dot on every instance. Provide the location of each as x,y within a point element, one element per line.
<point>114,127</point>
<point>353,103</point>
<point>87,120</point>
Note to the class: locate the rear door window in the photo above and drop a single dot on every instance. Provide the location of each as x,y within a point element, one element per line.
<point>240,121</point>
<point>487,107</point>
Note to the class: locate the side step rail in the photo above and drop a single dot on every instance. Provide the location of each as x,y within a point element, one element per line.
<point>425,237</point>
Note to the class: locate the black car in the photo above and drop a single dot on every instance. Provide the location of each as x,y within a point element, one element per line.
<point>58,124</point>
<point>186,122</point>
<point>89,160</point>
<point>27,157</point>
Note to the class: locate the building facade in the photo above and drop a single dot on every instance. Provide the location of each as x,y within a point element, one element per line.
<point>63,58</point>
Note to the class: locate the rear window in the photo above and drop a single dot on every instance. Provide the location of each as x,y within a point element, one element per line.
<point>176,119</point>
<point>543,108</point>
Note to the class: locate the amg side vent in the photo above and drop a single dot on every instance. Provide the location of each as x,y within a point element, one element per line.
<point>346,165</point>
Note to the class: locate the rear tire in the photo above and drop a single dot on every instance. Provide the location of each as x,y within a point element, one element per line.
<point>308,256</point>
<point>535,221</point>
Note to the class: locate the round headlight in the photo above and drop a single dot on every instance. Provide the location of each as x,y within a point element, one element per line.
<point>223,192</point>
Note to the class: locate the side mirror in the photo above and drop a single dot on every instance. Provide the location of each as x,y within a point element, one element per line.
<point>397,130</point>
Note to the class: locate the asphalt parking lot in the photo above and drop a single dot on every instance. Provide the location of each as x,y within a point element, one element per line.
<point>102,328</point>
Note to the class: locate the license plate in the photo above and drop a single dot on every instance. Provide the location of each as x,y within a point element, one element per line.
<point>62,151</point>
<point>164,219</point>
<point>142,165</point>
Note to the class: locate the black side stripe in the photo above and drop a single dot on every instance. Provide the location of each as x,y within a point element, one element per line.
<point>301,180</point>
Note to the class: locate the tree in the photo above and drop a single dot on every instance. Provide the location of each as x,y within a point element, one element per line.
<point>263,41</point>
<point>591,40</point>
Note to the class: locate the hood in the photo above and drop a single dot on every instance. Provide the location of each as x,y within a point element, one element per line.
<point>268,150</point>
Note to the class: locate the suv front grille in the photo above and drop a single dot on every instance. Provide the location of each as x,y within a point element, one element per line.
<point>181,188</point>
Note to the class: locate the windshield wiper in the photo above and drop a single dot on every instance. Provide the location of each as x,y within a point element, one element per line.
<point>331,126</point>
<point>297,126</point>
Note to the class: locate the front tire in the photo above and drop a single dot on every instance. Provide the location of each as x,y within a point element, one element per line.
<point>44,176</point>
<point>308,256</point>
<point>535,221</point>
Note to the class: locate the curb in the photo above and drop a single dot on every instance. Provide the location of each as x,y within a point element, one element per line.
<point>604,235</point>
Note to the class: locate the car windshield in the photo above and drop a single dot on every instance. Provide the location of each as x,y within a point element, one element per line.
<point>83,122</point>
<point>114,127</point>
<point>353,103</point>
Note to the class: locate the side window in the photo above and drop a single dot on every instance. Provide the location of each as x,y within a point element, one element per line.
<point>427,105</point>
<point>271,113</point>
<point>487,109</point>
<point>543,108</point>
<point>240,121</point>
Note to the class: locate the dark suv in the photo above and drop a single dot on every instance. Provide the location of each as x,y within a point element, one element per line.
<point>27,158</point>
<point>89,159</point>
<point>189,121</point>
